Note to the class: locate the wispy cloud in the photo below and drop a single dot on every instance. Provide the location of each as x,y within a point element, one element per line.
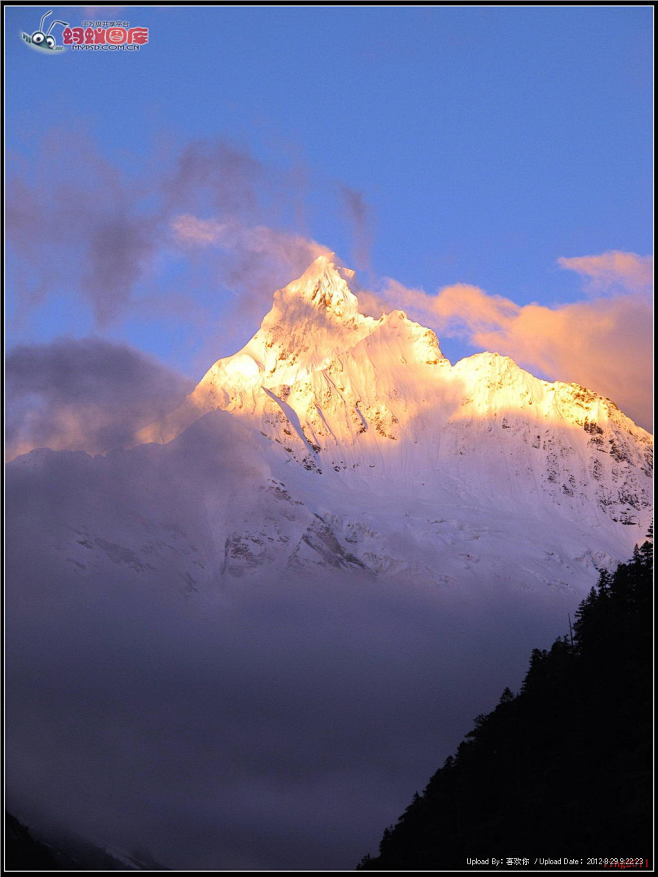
<point>77,222</point>
<point>255,260</point>
<point>217,174</point>
<point>359,215</point>
<point>294,250</point>
<point>613,270</point>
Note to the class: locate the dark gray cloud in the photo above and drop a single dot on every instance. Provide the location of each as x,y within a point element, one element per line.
<point>86,394</point>
<point>216,175</point>
<point>360,218</point>
<point>120,247</point>
<point>78,224</point>
<point>267,722</point>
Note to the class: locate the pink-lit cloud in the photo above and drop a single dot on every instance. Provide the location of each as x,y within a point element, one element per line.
<point>294,250</point>
<point>613,270</point>
<point>604,343</point>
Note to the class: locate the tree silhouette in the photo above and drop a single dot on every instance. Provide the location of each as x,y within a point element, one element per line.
<point>564,765</point>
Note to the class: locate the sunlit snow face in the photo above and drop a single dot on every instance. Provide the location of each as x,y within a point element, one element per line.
<point>242,367</point>
<point>358,385</point>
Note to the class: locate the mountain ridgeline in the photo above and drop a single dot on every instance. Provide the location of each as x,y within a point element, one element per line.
<point>359,415</point>
<point>360,447</point>
<point>564,768</point>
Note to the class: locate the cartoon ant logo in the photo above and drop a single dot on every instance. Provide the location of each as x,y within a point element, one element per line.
<point>42,39</point>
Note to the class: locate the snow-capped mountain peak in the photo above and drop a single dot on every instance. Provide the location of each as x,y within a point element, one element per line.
<point>325,285</point>
<point>373,413</point>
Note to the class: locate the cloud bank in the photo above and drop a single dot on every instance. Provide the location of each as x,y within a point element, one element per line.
<point>269,722</point>
<point>86,394</point>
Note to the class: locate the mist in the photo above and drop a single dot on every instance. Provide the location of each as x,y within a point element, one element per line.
<point>277,720</point>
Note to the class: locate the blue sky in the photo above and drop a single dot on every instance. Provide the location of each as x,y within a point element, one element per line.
<point>479,145</point>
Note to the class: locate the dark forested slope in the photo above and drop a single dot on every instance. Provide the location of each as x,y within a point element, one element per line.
<point>564,768</point>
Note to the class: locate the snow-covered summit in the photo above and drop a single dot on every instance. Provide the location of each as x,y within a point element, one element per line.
<point>313,329</point>
<point>324,284</point>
